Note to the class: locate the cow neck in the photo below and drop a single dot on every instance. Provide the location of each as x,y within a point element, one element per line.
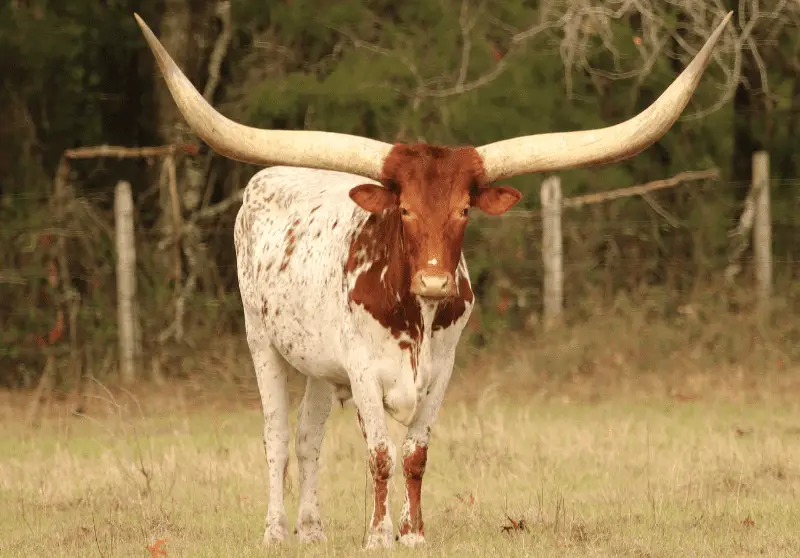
<point>383,277</point>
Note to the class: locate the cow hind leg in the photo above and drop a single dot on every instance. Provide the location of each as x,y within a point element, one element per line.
<point>313,415</point>
<point>271,371</point>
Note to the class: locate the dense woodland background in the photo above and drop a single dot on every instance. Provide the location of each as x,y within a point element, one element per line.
<point>78,73</point>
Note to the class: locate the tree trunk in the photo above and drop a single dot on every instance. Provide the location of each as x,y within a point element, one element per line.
<point>188,34</point>
<point>748,114</point>
<point>185,33</point>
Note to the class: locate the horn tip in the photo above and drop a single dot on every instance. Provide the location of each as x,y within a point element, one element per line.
<point>162,58</point>
<point>718,31</point>
<point>143,26</point>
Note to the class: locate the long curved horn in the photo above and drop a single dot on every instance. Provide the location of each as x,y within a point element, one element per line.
<point>551,152</point>
<point>303,148</point>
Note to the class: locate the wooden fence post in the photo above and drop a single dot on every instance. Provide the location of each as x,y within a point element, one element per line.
<point>762,231</point>
<point>552,251</point>
<point>126,282</point>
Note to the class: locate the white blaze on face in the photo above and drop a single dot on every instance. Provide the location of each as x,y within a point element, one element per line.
<point>434,261</point>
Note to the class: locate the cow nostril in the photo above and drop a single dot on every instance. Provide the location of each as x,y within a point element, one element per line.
<point>435,284</point>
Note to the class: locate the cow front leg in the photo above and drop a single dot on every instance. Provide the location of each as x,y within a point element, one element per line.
<point>415,457</point>
<point>314,411</point>
<point>372,419</point>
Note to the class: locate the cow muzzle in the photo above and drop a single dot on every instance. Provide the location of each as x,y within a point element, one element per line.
<point>433,284</point>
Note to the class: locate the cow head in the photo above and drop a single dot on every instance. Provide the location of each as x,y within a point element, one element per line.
<point>431,190</point>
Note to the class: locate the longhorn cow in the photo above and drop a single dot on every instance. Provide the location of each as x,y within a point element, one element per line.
<point>351,273</point>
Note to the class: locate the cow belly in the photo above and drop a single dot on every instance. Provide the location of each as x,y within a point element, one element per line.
<point>310,353</point>
<point>325,369</point>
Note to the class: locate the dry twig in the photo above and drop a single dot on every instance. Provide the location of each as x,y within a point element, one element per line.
<point>514,526</point>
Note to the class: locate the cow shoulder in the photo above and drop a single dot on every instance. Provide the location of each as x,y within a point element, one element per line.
<point>378,279</point>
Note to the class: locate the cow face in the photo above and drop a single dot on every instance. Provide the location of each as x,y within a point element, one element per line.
<point>431,190</point>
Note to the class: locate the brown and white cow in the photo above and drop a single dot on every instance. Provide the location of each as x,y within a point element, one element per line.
<point>351,273</point>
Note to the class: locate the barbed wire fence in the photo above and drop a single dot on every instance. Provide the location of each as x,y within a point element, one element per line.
<point>756,212</point>
<point>709,233</point>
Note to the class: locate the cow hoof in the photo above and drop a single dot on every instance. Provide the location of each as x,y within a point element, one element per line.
<point>412,539</point>
<point>272,538</point>
<point>379,539</point>
<point>311,534</point>
<point>309,526</point>
<point>275,533</point>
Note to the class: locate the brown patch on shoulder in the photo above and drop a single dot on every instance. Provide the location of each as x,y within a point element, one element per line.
<point>377,247</point>
<point>451,309</point>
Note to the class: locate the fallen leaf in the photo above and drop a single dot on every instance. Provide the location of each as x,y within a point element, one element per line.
<point>156,550</point>
<point>466,501</point>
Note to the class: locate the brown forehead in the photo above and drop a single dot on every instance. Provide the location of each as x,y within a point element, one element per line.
<point>428,172</point>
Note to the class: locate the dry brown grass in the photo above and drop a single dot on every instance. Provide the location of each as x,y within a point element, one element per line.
<point>649,442</point>
<point>619,477</point>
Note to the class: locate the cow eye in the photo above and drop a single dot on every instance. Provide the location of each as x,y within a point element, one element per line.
<point>465,211</point>
<point>404,212</point>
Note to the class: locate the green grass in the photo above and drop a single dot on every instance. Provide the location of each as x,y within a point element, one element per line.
<point>615,478</point>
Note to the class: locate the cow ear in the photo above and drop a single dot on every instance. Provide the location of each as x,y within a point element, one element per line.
<point>372,198</point>
<point>496,200</point>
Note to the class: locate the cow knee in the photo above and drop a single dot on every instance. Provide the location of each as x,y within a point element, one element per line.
<point>381,461</point>
<point>415,457</point>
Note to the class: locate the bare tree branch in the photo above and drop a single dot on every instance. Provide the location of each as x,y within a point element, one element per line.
<point>124,152</point>
<point>584,26</point>
<point>638,190</point>
<point>658,208</point>
<point>220,49</point>
<point>642,189</point>
<point>466,44</point>
<point>502,65</point>
<point>218,208</point>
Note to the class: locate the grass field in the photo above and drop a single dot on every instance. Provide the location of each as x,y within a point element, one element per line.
<point>617,476</point>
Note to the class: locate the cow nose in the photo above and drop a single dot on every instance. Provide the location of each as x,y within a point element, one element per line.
<point>432,285</point>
